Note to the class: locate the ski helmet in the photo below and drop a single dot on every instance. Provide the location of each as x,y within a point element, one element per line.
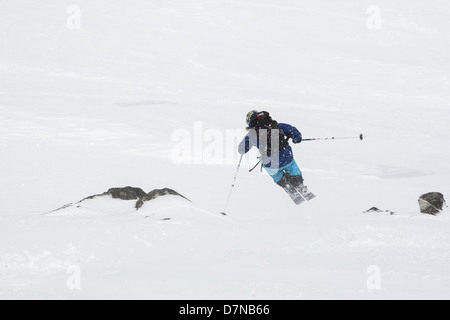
<point>250,116</point>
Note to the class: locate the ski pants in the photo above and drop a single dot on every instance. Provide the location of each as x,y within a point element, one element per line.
<point>291,169</point>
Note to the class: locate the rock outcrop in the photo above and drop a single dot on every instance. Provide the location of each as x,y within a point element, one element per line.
<point>375,209</point>
<point>128,194</point>
<point>431,203</point>
<point>155,194</point>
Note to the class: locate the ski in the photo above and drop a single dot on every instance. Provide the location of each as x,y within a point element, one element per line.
<point>298,199</point>
<point>306,194</point>
<point>294,194</point>
<point>300,194</point>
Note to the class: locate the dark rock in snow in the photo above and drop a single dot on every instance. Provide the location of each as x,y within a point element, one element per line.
<point>375,209</point>
<point>155,194</point>
<point>431,203</point>
<point>127,193</point>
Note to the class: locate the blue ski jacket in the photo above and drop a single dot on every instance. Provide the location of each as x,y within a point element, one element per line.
<point>277,159</point>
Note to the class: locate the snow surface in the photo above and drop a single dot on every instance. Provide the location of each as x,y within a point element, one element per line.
<point>84,110</point>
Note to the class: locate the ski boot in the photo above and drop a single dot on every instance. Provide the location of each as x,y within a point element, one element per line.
<point>291,191</point>
<point>297,183</point>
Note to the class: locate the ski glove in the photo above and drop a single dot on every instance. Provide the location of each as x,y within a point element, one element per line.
<point>299,140</point>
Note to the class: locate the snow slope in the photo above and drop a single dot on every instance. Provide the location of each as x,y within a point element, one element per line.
<point>83,110</point>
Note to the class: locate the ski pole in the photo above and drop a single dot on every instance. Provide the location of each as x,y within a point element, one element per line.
<point>232,186</point>
<point>255,166</point>
<point>361,137</point>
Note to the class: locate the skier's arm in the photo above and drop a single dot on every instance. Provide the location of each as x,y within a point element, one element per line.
<point>244,146</point>
<point>250,141</point>
<point>291,132</point>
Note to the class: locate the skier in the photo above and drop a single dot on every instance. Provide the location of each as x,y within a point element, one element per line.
<point>272,140</point>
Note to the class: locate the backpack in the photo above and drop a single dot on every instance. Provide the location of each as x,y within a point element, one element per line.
<point>263,121</point>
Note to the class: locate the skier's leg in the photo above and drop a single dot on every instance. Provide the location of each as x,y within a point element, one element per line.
<point>288,174</point>
<point>276,174</point>
<point>296,180</point>
<point>284,181</point>
<point>295,174</point>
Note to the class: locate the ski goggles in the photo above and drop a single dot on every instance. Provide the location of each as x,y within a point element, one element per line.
<point>250,116</point>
